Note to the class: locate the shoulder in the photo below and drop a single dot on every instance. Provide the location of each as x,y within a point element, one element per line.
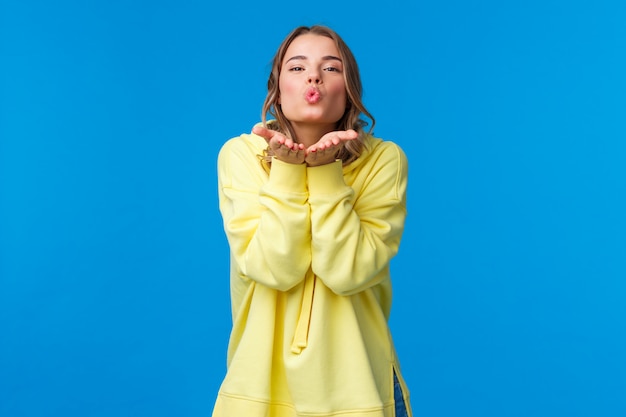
<point>384,154</point>
<point>246,144</point>
<point>243,152</point>
<point>382,171</point>
<point>240,157</point>
<point>388,149</point>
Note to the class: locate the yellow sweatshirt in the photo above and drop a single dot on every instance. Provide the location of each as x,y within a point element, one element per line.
<point>310,286</point>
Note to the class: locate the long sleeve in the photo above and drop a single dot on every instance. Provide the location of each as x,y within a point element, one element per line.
<point>354,237</point>
<point>267,220</point>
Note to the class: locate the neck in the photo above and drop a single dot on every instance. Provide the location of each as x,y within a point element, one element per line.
<point>310,134</point>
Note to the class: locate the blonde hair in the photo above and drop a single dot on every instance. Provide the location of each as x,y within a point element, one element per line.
<point>351,119</point>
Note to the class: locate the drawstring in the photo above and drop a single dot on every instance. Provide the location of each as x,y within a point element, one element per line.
<point>301,336</point>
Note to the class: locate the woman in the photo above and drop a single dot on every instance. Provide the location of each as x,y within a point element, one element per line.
<point>313,209</point>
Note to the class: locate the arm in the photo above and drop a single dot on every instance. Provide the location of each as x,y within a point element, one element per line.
<point>353,239</point>
<point>266,220</point>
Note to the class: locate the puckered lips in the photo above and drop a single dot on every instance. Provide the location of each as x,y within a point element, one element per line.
<point>312,95</point>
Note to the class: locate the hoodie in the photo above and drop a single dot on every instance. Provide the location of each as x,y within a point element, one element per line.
<point>310,286</point>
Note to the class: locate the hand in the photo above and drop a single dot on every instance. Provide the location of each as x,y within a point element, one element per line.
<point>326,149</point>
<point>284,148</point>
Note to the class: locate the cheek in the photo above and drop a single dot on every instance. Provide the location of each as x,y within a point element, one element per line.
<point>285,88</point>
<point>338,90</point>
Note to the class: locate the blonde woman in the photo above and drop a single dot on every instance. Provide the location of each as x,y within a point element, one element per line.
<point>313,208</point>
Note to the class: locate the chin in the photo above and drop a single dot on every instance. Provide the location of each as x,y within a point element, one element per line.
<point>318,118</point>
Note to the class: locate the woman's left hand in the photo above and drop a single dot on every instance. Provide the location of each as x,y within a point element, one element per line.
<point>326,149</point>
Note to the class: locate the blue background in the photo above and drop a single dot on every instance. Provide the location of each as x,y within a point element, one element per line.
<point>510,282</point>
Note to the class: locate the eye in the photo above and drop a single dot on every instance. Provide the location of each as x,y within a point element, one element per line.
<point>296,69</point>
<point>332,69</point>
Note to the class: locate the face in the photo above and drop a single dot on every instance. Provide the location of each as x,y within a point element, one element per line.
<point>311,83</point>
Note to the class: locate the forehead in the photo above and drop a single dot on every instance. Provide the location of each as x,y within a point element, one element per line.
<point>311,46</point>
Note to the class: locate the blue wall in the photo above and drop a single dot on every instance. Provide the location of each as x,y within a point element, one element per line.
<point>510,283</point>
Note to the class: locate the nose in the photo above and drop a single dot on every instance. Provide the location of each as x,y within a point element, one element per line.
<point>314,78</point>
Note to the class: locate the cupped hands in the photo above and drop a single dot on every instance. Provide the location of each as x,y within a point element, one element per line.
<point>322,152</point>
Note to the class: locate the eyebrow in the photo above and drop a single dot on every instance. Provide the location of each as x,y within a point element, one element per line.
<point>324,58</point>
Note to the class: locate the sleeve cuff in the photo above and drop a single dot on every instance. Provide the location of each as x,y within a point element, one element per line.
<point>287,177</point>
<point>326,179</point>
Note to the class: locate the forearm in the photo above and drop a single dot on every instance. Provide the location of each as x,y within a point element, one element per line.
<point>351,258</point>
<point>352,244</point>
<point>269,230</point>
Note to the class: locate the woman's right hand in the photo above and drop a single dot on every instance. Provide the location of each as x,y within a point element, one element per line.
<point>283,148</point>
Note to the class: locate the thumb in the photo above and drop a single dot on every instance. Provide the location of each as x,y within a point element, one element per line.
<point>264,132</point>
<point>349,134</point>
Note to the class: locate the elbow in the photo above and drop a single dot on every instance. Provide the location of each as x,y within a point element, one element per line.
<point>344,290</point>
<point>286,276</point>
<point>351,282</point>
<point>285,284</point>
<point>282,278</point>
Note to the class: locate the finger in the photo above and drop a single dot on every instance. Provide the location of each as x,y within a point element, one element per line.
<point>277,141</point>
<point>263,132</point>
<point>336,137</point>
<point>346,135</point>
<point>268,134</point>
<point>290,151</point>
<point>351,134</point>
